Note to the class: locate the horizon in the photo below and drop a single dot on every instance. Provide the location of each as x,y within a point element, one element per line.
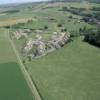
<point>3,2</point>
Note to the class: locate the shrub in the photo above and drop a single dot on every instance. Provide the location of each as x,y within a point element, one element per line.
<point>45,27</point>
<point>7,27</point>
<point>59,25</point>
<point>70,17</point>
<point>63,30</point>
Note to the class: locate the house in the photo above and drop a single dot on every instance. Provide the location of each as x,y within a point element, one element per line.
<point>98,23</point>
<point>29,45</point>
<point>40,48</point>
<point>18,34</point>
<point>38,37</point>
<point>58,39</point>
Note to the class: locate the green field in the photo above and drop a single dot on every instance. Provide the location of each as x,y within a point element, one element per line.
<point>12,84</point>
<point>6,52</point>
<point>70,73</point>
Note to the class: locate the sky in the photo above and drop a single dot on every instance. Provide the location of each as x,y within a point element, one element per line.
<point>17,1</point>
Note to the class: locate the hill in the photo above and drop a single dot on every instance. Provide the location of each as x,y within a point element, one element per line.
<point>96,1</point>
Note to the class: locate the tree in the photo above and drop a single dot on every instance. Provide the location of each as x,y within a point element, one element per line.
<point>45,27</point>
<point>7,27</point>
<point>64,8</point>
<point>59,25</point>
<point>93,37</point>
<point>23,62</point>
<point>63,30</point>
<point>29,58</point>
<point>70,17</point>
<point>80,29</point>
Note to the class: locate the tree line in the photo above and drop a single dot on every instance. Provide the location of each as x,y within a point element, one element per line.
<point>92,36</point>
<point>96,1</point>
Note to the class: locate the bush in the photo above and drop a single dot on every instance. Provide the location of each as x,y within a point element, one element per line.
<point>7,27</point>
<point>64,30</point>
<point>64,8</point>
<point>59,25</point>
<point>29,58</point>
<point>70,17</point>
<point>45,27</point>
<point>74,34</point>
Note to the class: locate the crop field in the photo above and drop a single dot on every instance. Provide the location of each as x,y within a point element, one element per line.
<point>6,52</point>
<point>12,84</point>
<point>83,5</point>
<point>70,73</point>
<point>13,21</point>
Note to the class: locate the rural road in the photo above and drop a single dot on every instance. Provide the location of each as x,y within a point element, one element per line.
<point>26,75</point>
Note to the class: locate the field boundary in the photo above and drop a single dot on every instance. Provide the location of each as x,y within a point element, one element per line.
<point>25,73</point>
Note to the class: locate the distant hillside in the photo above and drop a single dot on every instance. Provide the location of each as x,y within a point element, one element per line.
<point>66,0</point>
<point>96,1</point>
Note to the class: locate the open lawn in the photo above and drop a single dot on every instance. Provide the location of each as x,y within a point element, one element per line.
<point>71,73</point>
